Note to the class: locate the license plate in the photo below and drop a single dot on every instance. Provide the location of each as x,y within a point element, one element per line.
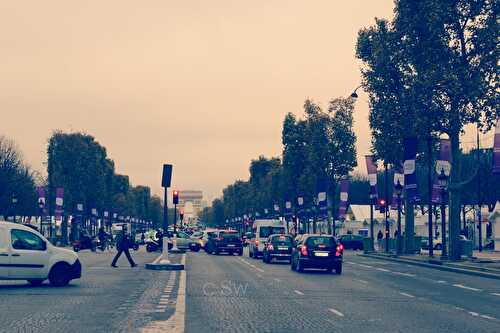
<point>231,245</point>
<point>282,247</point>
<point>321,254</point>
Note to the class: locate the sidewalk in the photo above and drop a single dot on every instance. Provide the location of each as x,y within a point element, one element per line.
<point>485,264</point>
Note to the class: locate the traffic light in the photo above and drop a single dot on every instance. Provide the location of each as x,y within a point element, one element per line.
<point>381,205</point>
<point>176,197</point>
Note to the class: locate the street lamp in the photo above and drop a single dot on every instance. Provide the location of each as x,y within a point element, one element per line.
<point>399,190</point>
<point>354,94</point>
<point>14,204</point>
<point>443,184</point>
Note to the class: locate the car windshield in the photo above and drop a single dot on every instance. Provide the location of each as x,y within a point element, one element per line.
<point>285,240</point>
<point>320,240</point>
<point>268,231</point>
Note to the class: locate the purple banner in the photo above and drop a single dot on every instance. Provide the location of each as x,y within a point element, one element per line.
<point>442,164</point>
<point>59,202</point>
<point>496,149</point>
<point>410,171</point>
<point>344,196</point>
<point>399,177</point>
<point>371,167</point>
<point>322,200</point>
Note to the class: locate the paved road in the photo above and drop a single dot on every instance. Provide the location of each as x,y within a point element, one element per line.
<point>106,299</point>
<point>239,294</point>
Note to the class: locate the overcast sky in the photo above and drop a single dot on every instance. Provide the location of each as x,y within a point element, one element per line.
<point>201,84</point>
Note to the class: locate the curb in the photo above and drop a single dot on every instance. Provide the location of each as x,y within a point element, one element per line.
<point>441,266</point>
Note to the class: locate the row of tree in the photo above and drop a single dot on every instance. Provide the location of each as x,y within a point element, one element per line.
<point>80,165</point>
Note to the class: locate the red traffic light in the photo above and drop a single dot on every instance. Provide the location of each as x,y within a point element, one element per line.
<point>381,202</point>
<point>176,197</point>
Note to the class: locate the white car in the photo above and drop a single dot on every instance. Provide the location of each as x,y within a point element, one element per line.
<point>26,255</point>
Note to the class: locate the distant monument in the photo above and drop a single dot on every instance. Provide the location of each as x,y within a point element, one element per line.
<point>191,202</point>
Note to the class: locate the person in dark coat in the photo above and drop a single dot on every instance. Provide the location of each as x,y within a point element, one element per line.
<point>123,245</point>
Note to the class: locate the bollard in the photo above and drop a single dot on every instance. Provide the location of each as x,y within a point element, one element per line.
<point>164,251</point>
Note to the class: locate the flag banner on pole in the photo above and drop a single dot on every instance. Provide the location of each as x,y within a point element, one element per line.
<point>344,196</point>
<point>398,177</point>
<point>372,178</point>
<point>410,171</point>
<point>321,188</point>
<point>443,163</point>
<point>41,197</point>
<point>496,149</point>
<point>59,202</point>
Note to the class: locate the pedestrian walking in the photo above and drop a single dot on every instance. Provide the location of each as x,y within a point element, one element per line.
<point>123,245</point>
<point>380,236</point>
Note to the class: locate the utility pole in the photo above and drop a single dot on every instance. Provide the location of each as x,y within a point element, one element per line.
<point>386,210</point>
<point>479,194</point>
<point>429,182</point>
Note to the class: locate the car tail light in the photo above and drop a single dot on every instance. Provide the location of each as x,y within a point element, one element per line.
<point>270,247</point>
<point>303,250</point>
<point>256,242</point>
<point>340,249</point>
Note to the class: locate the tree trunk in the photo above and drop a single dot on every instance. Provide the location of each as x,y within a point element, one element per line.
<point>455,204</point>
<point>409,228</point>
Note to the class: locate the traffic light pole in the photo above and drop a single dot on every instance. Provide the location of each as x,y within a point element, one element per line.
<point>165,211</point>
<point>387,232</point>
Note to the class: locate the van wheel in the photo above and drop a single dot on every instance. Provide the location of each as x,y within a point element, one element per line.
<point>36,282</point>
<point>58,276</point>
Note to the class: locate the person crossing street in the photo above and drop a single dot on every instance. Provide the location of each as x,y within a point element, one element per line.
<point>123,245</point>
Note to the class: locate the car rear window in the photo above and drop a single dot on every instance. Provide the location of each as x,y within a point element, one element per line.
<point>268,231</point>
<point>315,241</point>
<point>229,235</point>
<point>282,240</point>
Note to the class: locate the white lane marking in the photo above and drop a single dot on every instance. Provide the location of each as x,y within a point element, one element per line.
<point>350,263</point>
<point>407,295</point>
<point>337,312</point>
<point>405,274</point>
<point>488,317</point>
<point>259,269</point>
<point>366,266</point>
<point>475,314</point>
<point>259,276</point>
<point>441,281</point>
<point>278,280</point>
<point>465,287</point>
<point>298,292</point>
<point>495,294</point>
<point>362,281</point>
<point>382,269</point>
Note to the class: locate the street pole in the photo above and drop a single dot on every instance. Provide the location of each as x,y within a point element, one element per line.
<point>479,194</point>
<point>371,226</point>
<point>165,211</point>
<point>398,240</point>
<point>175,219</point>
<point>386,210</point>
<point>444,253</point>
<point>429,190</point>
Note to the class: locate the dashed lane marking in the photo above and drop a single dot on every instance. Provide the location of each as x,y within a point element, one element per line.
<point>382,269</point>
<point>495,294</point>
<point>278,280</point>
<point>362,281</point>
<point>365,266</point>
<point>337,312</point>
<point>407,295</point>
<point>488,317</point>
<point>298,292</point>
<point>441,282</point>
<point>465,287</point>
<point>475,314</point>
<point>404,274</point>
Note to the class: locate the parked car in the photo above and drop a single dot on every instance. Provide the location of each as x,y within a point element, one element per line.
<point>278,247</point>
<point>350,241</point>
<point>186,242</point>
<point>27,255</point>
<point>228,241</point>
<point>317,251</point>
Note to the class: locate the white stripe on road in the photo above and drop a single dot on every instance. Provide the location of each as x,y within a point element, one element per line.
<point>337,312</point>
<point>382,270</point>
<point>407,295</point>
<point>488,317</point>
<point>405,274</point>
<point>465,287</point>
<point>298,292</point>
<point>362,281</point>
<point>278,280</point>
<point>441,281</point>
<point>475,314</point>
<point>366,266</point>
<point>259,269</point>
<point>495,294</point>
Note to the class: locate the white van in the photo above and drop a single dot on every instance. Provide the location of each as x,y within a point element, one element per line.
<point>262,229</point>
<point>26,255</point>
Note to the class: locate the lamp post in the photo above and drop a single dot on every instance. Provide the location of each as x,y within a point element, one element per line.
<point>443,184</point>
<point>399,190</point>
<point>14,204</point>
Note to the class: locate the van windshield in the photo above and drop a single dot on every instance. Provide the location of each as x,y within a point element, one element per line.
<point>268,231</point>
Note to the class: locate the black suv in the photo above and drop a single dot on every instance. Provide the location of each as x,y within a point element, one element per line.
<point>224,241</point>
<point>277,247</point>
<point>317,251</point>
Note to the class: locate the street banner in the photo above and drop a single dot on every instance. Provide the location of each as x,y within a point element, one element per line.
<point>443,163</point>
<point>399,177</point>
<point>322,202</point>
<point>410,171</point>
<point>372,178</point>
<point>41,198</point>
<point>344,196</point>
<point>496,149</point>
<point>94,211</point>
<point>288,206</point>
<point>58,211</point>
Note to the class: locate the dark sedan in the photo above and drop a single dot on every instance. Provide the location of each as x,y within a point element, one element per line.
<point>278,247</point>
<point>354,242</point>
<point>317,251</point>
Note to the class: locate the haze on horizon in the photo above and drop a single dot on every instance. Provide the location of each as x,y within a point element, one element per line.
<point>203,85</point>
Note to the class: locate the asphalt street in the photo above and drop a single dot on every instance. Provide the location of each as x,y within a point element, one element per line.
<point>106,299</point>
<point>240,294</point>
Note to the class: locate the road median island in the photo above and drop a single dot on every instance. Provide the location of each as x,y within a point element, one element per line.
<point>467,269</point>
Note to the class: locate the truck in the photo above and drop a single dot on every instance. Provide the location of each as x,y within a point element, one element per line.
<point>261,230</point>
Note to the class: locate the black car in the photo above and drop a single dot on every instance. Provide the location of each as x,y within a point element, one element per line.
<point>277,247</point>
<point>317,251</point>
<point>354,242</point>
<point>228,241</point>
